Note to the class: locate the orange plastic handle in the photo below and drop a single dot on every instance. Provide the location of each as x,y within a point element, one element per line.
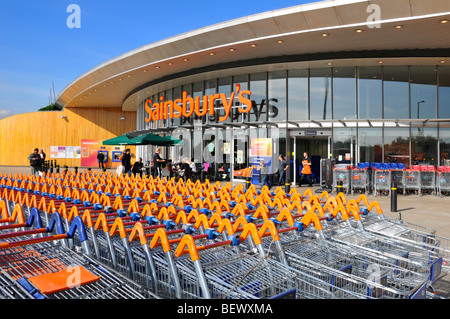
<point>312,217</point>
<point>353,211</point>
<point>133,207</point>
<point>193,216</point>
<point>341,209</point>
<point>118,225</point>
<point>377,207</point>
<point>286,214</point>
<point>73,213</point>
<point>241,221</point>
<point>261,212</point>
<point>226,224</point>
<point>62,210</point>
<point>87,218</point>
<point>118,204</point>
<point>317,207</point>
<point>202,220</point>
<point>160,238</point>
<point>187,241</point>
<point>269,225</point>
<point>101,221</point>
<point>138,230</point>
<point>250,229</point>
<point>181,216</point>
<point>363,198</point>
<point>3,209</point>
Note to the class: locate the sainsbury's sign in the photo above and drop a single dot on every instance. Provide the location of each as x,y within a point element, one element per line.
<point>187,106</point>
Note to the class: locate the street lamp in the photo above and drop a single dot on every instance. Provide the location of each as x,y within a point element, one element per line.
<point>418,108</point>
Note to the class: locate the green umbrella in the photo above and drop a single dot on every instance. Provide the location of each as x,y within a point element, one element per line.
<point>153,139</point>
<point>119,140</point>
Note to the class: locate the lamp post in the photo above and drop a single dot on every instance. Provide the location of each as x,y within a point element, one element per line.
<point>418,108</point>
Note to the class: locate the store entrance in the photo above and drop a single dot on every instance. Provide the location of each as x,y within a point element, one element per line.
<point>317,146</point>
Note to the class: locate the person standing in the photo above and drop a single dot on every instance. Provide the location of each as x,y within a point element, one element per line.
<point>126,161</point>
<point>306,170</point>
<point>35,161</point>
<point>101,158</point>
<point>264,171</point>
<point>42,156</point>
<point>282,170</point>
<point>158,162</point>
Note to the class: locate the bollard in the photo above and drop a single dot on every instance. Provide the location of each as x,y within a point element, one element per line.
<point>247,182</point>
<point>76,170</point>
<point>66,169</point>
<point>287,186</point>
<point>340,186</point>
<point>394,197</point>
<point>57,169</point>
<point>51,167</point>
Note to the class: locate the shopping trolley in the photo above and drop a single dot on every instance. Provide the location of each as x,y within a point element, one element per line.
<point>412,180</point>
<point>349,271</point>
<point>381,175</point>
<point>45,268</point>
<point>443,180</point>
<point>360,178</point>
<point>342,177</point>
<point>428,179</point>
<point>398,176</point>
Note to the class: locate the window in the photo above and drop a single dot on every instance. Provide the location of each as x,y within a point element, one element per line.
<point>370,144</point>
<point>370,92</point>
<point>423,92</point>
<point>396,145</point>
<point>344,93</point>
<point>277,96</point>
<point>298,95</point>
<point>320,94</point>
<point>396,92</point>
<point>444,92</point>
<point>258,97</point>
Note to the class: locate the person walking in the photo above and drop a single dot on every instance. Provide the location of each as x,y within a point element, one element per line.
<point>306,170</point>
<point>158,162</point>
<point>101,158</point>
<point>126,161</point>
<point>35,162</point>
<point>282,170</point>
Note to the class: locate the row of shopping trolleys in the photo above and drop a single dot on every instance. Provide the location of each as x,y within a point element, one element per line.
<point>381,178</point>
<point>328,248</point>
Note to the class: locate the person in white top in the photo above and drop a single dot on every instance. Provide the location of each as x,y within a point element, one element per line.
<point>192,165</point>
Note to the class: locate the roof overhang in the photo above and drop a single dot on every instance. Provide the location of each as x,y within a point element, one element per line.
<point>252,43</point>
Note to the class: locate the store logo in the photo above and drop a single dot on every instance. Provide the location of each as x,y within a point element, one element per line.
<point>187,106</point>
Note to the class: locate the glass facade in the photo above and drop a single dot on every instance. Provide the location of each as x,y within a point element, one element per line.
<point>367,109</point>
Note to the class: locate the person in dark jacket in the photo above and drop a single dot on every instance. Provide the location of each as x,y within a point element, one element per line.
<point>126,161</point>
<point>35,161</point>
<point>101,158</point>
<point>137,167</point>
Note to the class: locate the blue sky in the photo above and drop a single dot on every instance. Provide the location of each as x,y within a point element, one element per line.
<point>37,47</point>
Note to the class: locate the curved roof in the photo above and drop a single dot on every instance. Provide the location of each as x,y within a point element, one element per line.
<point>334,30</point>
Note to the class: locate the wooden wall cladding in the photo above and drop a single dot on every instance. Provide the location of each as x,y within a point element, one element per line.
<point>21,134</point>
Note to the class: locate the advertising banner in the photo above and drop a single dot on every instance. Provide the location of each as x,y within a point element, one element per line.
<point>260,149</point>
<point>91,148</point>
